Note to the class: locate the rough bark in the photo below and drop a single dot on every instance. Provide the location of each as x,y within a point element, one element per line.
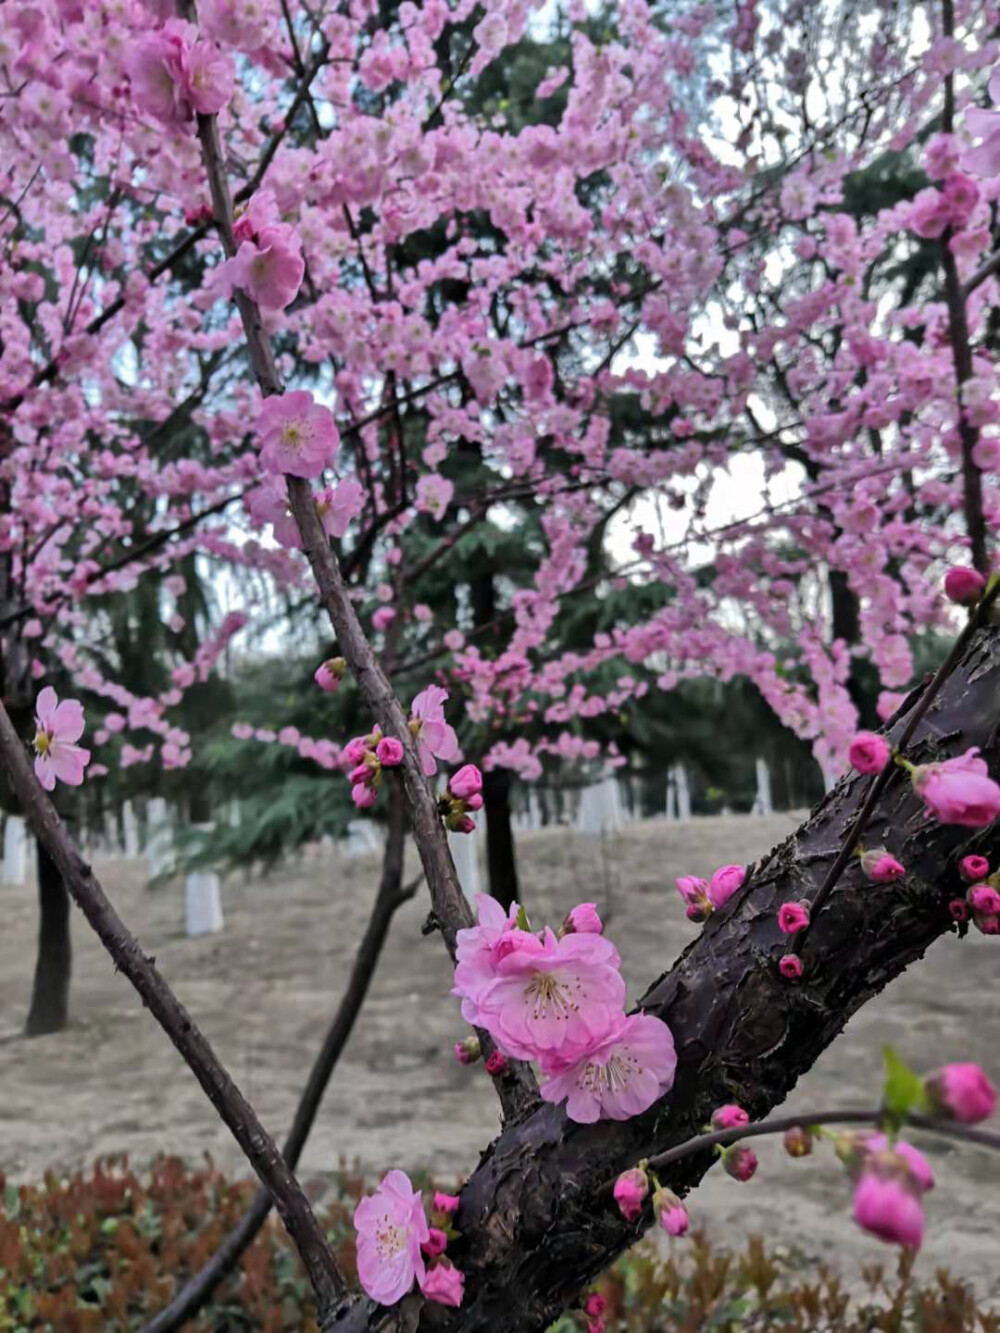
<point>49,1011</point>
<point>501,861</point>
<point>537,1217</point>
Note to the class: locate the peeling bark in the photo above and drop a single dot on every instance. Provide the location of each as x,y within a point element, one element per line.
<point>537,1217</point>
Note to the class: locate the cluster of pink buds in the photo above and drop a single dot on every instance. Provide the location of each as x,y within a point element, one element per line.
<point>880,866</point>
<point>467,1052</point>
<point>981,902</point>
<point>594,1308</point>
<point>463,794</point>
<point>703,897</point>
<point>631,1191</point>
<point>367,756</point>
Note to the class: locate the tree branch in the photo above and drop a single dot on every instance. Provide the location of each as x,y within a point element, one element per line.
<point>233,1108</point>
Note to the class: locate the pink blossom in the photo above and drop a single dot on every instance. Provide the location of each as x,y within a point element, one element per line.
<point>329,674</point>
<point>389,752</point>
<point>984,160</point>
<point>724,884</point>
<point>962,1092</point>
<point>382,618</point>
<point>445,1203</point>
<point>959,790</point>
<point>739,1162</point>
<point>434,494</point>
<point>790,966</point>
<point>875,1144</point>
<point>209,78</point>
<point>478,949</point>
<point>964,586</point>
<point>339,505</point>
<point>443,1284</point>
<point>435,1244</point>
<point>468,781</point>
<point>694,891</point>
<point>974,868</point>
<point>869,752</point>
<point>670,1212</point>
<point>496,1064</point>
<point>880,867</point>
<point>174,74</point>
<point>435,738</point>
<point>551,999</point>
<point>363,795</point>
<point>618,1077</point>
<point>984,898</point>
<point>58,726</point>
<point>793,917</point>
<point>584,920</point>
<point>886,1204</point>
<point>298,436</point>
<point>929,214</point>
<point>269,268</point>
<point>631,1188</point>
<point>729,1116</point>
<point>391,1228</point>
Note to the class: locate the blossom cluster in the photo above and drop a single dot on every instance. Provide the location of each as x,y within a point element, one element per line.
<point>981,900</point>
<point>396,1245</point>
<point>703,897</point>
<point>559,1000</point>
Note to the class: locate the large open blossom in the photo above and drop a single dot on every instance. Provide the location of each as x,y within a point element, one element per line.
<point>298,436</point>
<point>59,726</point>
<point>391,1227</point>
<point>621,1076</point>
<point>434,737</point>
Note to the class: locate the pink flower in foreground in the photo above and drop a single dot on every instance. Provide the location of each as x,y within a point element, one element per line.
<point>157,70</point>
<point>983,898</point>
<point>670,1213</point>
<point>974,868</point>
<point>468,781</point>
<point>869,752</point>
<point>435,738</point>
<point>329,674</point>
<point>298,436</point>
<point>880,867</point>
<point>478,950</point>
<point>631,1188</point>
<point>790,966</point>
<point>389,752</point>
<point>886,1206</point>
<point>58,726</point>
<point>962,1092</point>
<point>729,1116</point>
<point>792,917</point>
<point>959,790</point>
<point>619,1077</point>
<point>739,1162</point>
<point>391,1228</point>
<point>552,998</point>
<point>269,268</point>
<point>339,505</point>
<point>443,1284</point>
<point>724,884</point>
<point>964,586</point>
<point>583,920</point>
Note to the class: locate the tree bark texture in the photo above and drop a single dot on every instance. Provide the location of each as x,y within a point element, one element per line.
<point>49,1010</point>
<point>537,1216</point>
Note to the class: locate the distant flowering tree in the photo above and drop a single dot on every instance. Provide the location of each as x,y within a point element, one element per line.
<point>307,292</point>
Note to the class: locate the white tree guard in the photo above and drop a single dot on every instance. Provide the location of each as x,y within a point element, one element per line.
<point>601,808</point>
<point>465,854</point>
<point>130,826</point>
<point>762,801</point>
<point>15,851</point>
<point>159,838</point>
<point>363,838</point>
<point>203,903</point>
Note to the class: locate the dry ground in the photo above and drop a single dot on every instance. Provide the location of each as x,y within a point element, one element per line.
<point>263,991</point>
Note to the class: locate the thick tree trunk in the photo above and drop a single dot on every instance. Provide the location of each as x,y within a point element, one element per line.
<point>537,1217</point>
<point>49,1010</point>
<point>501,861</point>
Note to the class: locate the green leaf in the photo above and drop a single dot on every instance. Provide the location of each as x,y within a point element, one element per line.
<point>522,918</point>
<point>903,1090</point>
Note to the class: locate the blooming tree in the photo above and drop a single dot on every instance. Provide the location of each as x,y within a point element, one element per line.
<point>316,294</point>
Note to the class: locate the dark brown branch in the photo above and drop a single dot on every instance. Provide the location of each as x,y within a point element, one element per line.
<point>391,895</point>
<point>233,1108</point>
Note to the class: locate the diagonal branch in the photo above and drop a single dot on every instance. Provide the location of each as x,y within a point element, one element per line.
<point>233,1108</point>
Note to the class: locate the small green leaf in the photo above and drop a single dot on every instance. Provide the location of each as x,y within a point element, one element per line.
<point>522,918</point>
<point>903,1090</point>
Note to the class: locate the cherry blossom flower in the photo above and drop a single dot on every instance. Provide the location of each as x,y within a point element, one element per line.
<point>329,674</point>
<point>964,586</point>
<point>973,869</point>
<point>434,737</point>
<point>962,1092</point>
<point>391,1228</point>
<point>887,1207</point>
<point>298,436</point>
<point>724,883</point>
<point>620,1076</point>
<point>880,867</point>
<point>444,1284</point>
<point>793,917</point>
<point>630,1190</point>
<point>869,752</point>
<point>269,269</point>
<point>959,790</point>
<point>59,726</point>
<point>584,919</point>
<point>984,160</point>
<point>670,1212</point>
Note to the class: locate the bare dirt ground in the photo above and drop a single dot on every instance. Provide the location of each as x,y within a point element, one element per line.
<point>264,989</point>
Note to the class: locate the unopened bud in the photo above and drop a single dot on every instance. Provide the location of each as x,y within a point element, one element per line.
<point>467,1052</point>
<point>798,1141</point>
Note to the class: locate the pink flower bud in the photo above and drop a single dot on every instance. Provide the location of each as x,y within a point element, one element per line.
<point>389,752</point>
<point>959,790</point>
<point>959,909</point>
<point>435,1244</point>
<point>496,1064</point>
<point>354,751</point>
<point>729,1116</point>
<point>693,890</point>
<point>467,1052</point>
<point>694,913</point>
<point>888,1207</point>
<point>964,586</point>
<point>631,1188</point>
<point>974,868</point>
<point>869,752</point>
<point>361,774</point>
<point>798,1141</point>
<point>793,917</point>
<point>468,781</point>
<point>880,867</point>
<point>670,1212</point>
<point>961,1092</point>
<point>363,796</point>
<point>739,1162</point>
<point>987,925</point>
<point>583,920</point>
<point>445,1203</point>
<point>790,966</point>
<point>983,898</point>
<point>474,802</point>
<point>595,1305</point>
<point>724,884</point>
<point>328,675</point>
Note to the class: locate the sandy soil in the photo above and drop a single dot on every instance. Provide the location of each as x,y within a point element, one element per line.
<point>263,991</point>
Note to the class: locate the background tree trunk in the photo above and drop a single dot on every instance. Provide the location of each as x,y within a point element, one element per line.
<point>501,860</point>
<point>537,1217</point>
<point>49,1010</point>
